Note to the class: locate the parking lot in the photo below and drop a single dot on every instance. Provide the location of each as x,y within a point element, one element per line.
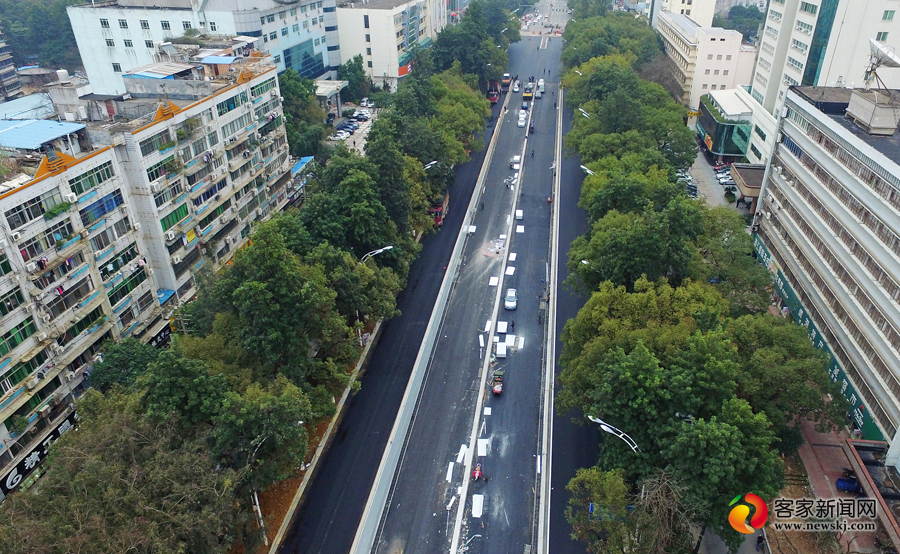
<point>357,141</point>
<point>708,186</point>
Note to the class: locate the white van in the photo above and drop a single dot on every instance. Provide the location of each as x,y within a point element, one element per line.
<point>501,349</point>
<point>541,85</point>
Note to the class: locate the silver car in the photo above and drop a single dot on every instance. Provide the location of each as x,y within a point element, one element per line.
<point>509,301</point>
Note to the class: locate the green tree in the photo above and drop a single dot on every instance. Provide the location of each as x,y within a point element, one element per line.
<point>303,116</point>
<point>40,30</point>
<point>598,510</point>
<point>262,432</point>
<point>358,83</point>
<point>743,19</point>
<point>123,483</point>
<point>123,362</point>
<point>181,386</point>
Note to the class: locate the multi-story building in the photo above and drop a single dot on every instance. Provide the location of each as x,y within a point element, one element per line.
<point>827,227</point>
<point>820,43</point>
<point>732,126</point>
<point>700,11</point>
<point>115,37</point>
<point>385,31</point>
<point>105,224</point>
<point>706,58</point>
<point>10,86</point>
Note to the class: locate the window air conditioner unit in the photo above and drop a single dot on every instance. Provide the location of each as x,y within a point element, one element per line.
<point>281,98</point>
<point>170,235</point>
<point>754,228</point>
<point>32,383</point>
<point>71,197</point>
<point>16,236</point>
<point>30,267</point>
<point>176,259</point>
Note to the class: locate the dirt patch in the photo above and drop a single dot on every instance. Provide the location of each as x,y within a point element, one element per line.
<point>799,542</point>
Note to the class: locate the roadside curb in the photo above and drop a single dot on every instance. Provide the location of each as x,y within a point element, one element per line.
<point>323,444</point>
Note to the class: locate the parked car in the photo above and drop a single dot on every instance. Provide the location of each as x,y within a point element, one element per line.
<point>719,167</point>
<point>723,174</point>
<point>509,301</point>
<point>366,103</point>
<point>727,183</point>
<point>330,118</point>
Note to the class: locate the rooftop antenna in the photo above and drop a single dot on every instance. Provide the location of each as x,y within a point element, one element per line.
<point>881,55</point>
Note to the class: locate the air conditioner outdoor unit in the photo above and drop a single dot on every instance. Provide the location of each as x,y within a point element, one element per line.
<point>45,318</point>
<point>273,94</point>
<point>137,226</point>
<point>170,235</point>
<point>768,215</point>
<point>259,212</point>
<point>98,253</point>
<point>778,169</point>
<point>30,385</point>
<point>57,348</point>
<point>41,337</point>
<point>754,228</point>
<point>176,259</point>
<point>123,207</point>
<point>154,186</point>
<point>249,105</point>
<point>30,267</point>
<point>70,376</point>
<point>223,219</point>
<point>16,236</point>
<point>229,240</point>
<point>44,412</point>
<point>85,233</point>
<point>71,197</point>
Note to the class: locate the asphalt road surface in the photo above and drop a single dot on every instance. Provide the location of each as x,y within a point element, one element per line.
<point>417,519</point>
<point>327,519</point>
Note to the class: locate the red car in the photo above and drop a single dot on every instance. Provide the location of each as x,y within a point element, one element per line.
<point>720,167</point>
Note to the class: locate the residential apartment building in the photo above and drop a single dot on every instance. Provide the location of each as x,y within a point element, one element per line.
<point>385,31</point>
<point>105,225</point>
<point>700,11</point>
<point>115,37</point>
<point>821,43</point>
<point>706,58</point>
<point>10,86</point>
<point>827,228</point>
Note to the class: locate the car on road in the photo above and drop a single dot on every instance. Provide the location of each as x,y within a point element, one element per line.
<point>510,300</point>
<point>515,162</point>
<point>330,118</point>
<point>522,122</point>
<point>524,106</point>
<point>516,86</point>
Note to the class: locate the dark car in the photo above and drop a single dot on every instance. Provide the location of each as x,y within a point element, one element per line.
<point>330,119</point>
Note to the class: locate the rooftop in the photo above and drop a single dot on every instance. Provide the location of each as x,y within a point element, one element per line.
<point>683,23</point>
<point>833,102</point>
<point>375,4</point>
<point>33,106</point>
<point>731,104</point>
<point>166,70</point>
<point>30,134</point>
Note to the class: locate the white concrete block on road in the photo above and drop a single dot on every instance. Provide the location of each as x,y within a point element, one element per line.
<point>462,453</point>
<point>494,281</point>
<point>477,505</point>
<point>487,326</point>
<point>501,326</point>
<point>510,270</point>
<point>472,229</point>
<point>487,410</point>
<point>450,473</point>
<point>510,340</point>
<point>483,445</point>
<point>539,465</point>
<point>520,228</point>
<point>512,256</point>
<point>521,343</point>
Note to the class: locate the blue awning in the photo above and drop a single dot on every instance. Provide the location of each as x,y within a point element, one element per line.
<point>164,295</point>
<point>300,164</point>
<point>219,59</point>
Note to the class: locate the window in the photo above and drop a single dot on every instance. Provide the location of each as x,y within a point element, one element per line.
<point>704,87</point>
<point>101,207</point>
<point>212,26</point>
<point>368,51</point>
<point>295,27</point>
<point>759,132</point>
<point>302,9</point>
<point>159,141</point>
<point>273,35</point>
<point>128,43</point>
<point>32,209</point>
<point>110,42</point>
<point>277,59</point>
<point>5,266</point>
<point>163,197</point>
<point>366,21</point>
<point>316,42</point>
<point>284,31</point>
<point>262,20</point>
<point>716,72</point>
<point>234,102</point>
<point>808,8</point>
<point>321,19</point>
<point>270,18</point>
<point>165,26</point>
<point>145,24</point>
<point>801,46</point>
<point>149,44</point>
<point>173,218</point>
<point>186,25</point>
<point>706,72</point>
<point>10,301</point>
<point>123,24</point>
<point>128,284</point>
<point>369,39</point>
<point>262,88</point>
<point>709,56</point>
<point>797,64</point>
<point>805,27</point>
<point>306,25</point>
<point>122,226</point>
<point>882,36</point>
<point>16,336</point>
<point>90,179</point>
<point>724,72</point>
<point>728,58</point>
<point>719,57</point>
<point>282,15</point>
<point>213,138</point>
<point>104,23</point>
<point>888,15</point>
<point>714,87</point>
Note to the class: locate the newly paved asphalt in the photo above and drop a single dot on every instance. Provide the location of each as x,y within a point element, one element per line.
<point>327,519</point>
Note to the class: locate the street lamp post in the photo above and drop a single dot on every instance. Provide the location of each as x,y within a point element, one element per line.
<point>586,170</point>
<point>615,431</point>
<point>376,252</point>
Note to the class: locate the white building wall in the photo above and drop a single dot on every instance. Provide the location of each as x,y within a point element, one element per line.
<point>718,56</point>
<point>701,11</point>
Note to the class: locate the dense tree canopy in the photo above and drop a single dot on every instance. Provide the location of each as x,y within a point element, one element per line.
<point>304,118</point>
<point>743,19</point>
<point>39,31</point>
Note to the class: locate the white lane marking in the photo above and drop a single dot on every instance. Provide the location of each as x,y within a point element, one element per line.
<point>510,270</point>
<point>539,464</point>
<point>483,445</point>
<point>494,281</point>
<point>487,326</point>
<point>477,505</point>
<point>462,453</point>
<point>450,505</point>
<point>450,472</point>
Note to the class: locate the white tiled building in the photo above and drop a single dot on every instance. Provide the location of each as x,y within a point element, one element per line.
<point>700,11</point>
<point>706,58</point>
<point>828,228</point>
<point>115,37</point>
<point>385,31</point>
<point>101,239</point>
<point>821,43</point>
